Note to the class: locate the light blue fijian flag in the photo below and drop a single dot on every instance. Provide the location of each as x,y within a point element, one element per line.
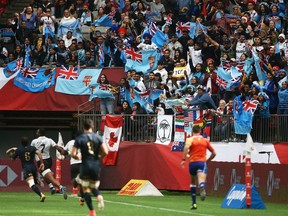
<point>260,74</point>
<point>248,65</point>
<point>149,16</point>
<point>159,39</point>
<point>35,80</point>
<point>105,20</point>
<point>49,32</point>
<point>80,86</point>
<point>121,4</point>
<point>243,119</point>
<point>145,99</point>
<point>10,71</point>
<point>73,26</point>
<point>100,91</point>
<point>149,62</point>
<point>231,76</point>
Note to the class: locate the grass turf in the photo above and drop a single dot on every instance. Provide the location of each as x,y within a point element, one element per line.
<point>171,204</point>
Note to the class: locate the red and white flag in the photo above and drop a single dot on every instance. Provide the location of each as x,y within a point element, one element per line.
<point>111,137</point>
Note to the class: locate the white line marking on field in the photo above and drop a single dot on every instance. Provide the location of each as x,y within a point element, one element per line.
<point>156,208</point>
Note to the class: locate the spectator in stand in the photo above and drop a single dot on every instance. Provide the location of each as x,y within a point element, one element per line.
<point>138,83</point>
<point>51,57</point>
<point>157,8</point>
<point>219,116</point>
<point>81,51</point>
<point>67,17</point>
<point>167,61</point>
<point>173,45</point>
<point>68,39</point>
<point>151,83</point>
<point>137,120</point>
<point>264,114</point>
<point>60,7</point>
<point>48,22</point>
<point>126,111</point>
<point>147,44</point>
<point>27,52</point>
<point>22,32</point>
<point>271,89</point>
<point>74,54</point>
<point>211,75</point>
<point>86,16</point>
<point>202,100</point>
<point>283,99</point>
<point>140,9</point>
<point>63,55</point>
<point>39,52</point>
<point>106,104</point>
<point>88,62</point>
<point>161,69</point>
<point>30,18</point>
<point>122,89</point>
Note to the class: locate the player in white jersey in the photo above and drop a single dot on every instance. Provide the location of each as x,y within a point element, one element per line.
<point>44,144</point>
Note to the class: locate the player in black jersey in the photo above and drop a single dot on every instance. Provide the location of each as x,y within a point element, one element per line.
<point>26,154</point>
<point>92,150</point>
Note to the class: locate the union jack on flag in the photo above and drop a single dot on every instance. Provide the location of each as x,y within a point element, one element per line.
<point>19,63</point>
<point>221,83</point>
<point>104,87</point>
<point>112,14</point>
<point>131,54</point>
<point>30,72</point>
<point>180,26</point>
<point>250,105</point>
<point>152,28</point>
<point>70,73</point>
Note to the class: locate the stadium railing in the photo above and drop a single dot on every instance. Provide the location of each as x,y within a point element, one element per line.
<point>143,128</point>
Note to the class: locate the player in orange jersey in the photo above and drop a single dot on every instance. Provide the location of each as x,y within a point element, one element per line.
<point>196,146</point>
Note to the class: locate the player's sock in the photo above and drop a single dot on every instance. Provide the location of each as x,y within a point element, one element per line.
<point>36,190</point>
<point>88,200</point>
<point>202,185</point>
<point>95,192</point>
<point>193,193</point>
<point>202,191</point>
<point>52,189</point>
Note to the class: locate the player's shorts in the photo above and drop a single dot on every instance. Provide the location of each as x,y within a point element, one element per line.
<point>196,167</point>
<point>90,170</point>
<point>75,170</point>
<point>29,170</point>
<point>47,163</point>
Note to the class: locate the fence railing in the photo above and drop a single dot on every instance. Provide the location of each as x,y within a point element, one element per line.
<point>143,128</point>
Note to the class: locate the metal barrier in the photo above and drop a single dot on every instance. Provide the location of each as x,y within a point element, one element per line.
<point>143,128</point>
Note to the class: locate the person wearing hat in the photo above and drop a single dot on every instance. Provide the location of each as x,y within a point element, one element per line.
<point>86,17</point>
<point>283,44</point>
<point>202,100</point>
<point>147,44</point>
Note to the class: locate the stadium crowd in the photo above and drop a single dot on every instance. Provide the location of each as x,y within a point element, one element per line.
<point>231,33</point>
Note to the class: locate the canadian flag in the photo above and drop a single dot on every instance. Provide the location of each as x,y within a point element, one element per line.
<point>111,137</point>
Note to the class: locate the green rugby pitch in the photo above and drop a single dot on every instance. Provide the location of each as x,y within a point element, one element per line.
<point>171,204</point>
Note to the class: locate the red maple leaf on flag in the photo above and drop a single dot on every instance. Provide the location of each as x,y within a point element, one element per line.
<point>113,139</point>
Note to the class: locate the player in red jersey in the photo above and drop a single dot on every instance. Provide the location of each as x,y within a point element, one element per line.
<point>196,146</point>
